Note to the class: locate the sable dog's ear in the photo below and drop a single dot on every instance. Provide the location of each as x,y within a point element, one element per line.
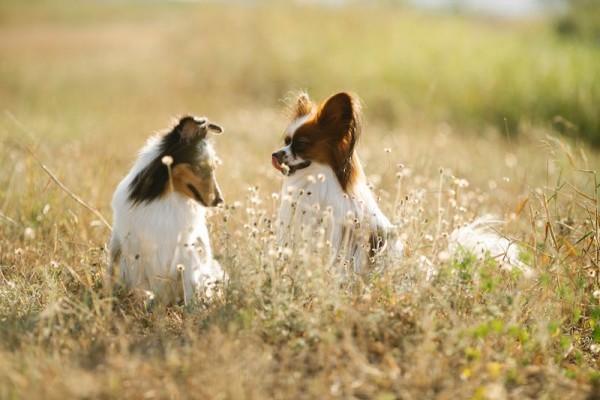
<point>191,128</point>
<point>214,128</point>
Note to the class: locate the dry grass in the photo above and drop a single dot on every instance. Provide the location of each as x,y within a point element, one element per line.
<point>88,84</point>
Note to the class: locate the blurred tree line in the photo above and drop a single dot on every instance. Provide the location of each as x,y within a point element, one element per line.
<point>580,20</point>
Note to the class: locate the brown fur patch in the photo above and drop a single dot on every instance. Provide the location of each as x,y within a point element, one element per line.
<point>186,182</point>
<point>330,137</point>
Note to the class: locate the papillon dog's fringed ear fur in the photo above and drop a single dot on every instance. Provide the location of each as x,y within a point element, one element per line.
<point>303,105</point>
<point>339,116</point>
<point>298,104</point>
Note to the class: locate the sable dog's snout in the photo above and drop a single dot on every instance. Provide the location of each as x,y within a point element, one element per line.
<point>218,200</point>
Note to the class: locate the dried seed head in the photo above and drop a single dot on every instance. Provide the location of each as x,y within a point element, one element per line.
<point>167,160</point>
<point>29,233</point>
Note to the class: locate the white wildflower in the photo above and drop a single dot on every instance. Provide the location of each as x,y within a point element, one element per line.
<point>29,233</point>
<point>461,183</point>
<point>167,160</point>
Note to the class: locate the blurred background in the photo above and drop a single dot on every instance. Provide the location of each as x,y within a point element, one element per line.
<point>499,63</point>
<point>86,82</point>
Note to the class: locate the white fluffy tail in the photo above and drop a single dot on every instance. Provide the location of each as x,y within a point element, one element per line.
<point>481,240</point>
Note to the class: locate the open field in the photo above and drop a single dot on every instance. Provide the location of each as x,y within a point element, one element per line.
<point>445,97</point>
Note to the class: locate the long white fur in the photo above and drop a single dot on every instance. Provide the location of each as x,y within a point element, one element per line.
<point>314,192</point>
<point>155,238</point>
<point>480,239</point>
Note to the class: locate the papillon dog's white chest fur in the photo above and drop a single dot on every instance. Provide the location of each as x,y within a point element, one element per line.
<point>313,197</point>
<point>162,245</point>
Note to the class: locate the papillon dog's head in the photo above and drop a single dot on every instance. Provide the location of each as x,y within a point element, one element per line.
<point>183,161</point>
<point>326,134</point>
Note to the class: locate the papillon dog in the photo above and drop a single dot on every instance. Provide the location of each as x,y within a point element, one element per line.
<point>324,184</point>
<point>324,179</point>
<point>160,240</point>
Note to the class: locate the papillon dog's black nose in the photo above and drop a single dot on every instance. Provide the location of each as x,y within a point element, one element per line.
<point>278,155</point>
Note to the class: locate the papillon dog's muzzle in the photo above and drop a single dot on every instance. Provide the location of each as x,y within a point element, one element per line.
<point>283,167</point>
<point>277,159</point>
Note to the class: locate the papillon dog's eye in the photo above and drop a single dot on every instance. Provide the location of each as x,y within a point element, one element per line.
<point>300,145</point>
<point>288,140</point>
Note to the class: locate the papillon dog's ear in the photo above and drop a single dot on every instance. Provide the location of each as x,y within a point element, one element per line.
<point>339,122</point>
<point>339,116</point>
<point>303,105</point>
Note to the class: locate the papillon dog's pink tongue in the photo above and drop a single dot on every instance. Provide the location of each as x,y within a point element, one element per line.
<point>276,164</point>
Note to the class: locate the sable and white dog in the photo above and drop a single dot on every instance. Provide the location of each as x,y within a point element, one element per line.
<point>160,240</point>
<point>323,173</point>
<point>324,177</point>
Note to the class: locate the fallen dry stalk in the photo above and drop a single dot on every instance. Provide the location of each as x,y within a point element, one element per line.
<point>53,176</point>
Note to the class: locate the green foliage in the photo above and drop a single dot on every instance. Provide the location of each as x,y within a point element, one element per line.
<point>581,21</point>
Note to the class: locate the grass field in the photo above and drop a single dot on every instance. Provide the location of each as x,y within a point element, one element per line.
<point>448,101</point>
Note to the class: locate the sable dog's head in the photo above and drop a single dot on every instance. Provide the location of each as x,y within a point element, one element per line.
<point>185,163</point>
<point>325,134</point>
